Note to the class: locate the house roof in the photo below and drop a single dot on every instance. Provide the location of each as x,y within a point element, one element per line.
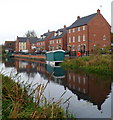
<point>33,39</point>
<point>24,39</point>
<point>82,21</point>
<point>62,30</point>
<point>46,35</point>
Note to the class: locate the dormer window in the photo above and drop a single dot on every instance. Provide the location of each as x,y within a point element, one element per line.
<point>104,37</point>
<point>59,33</point>
<point>44,36</point>
<point>55,34</point>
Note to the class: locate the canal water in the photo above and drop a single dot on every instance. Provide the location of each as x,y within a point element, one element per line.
<point>91,94</point>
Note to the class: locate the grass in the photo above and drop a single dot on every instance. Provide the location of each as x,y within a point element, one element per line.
<point>19,100</point>
<point>101,64</point>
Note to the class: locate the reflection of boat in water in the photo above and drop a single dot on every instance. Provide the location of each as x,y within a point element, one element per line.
<point>56,72</point>
<point>55,57</point>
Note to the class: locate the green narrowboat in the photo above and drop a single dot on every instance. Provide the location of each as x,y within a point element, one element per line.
<point>55,57</point>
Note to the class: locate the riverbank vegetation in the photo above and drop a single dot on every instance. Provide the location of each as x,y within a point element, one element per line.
<point>101,64</point>
<point>19,101</point>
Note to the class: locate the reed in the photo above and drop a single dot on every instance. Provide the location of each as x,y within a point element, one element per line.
<point>21,101</point>
<point>95,63</point>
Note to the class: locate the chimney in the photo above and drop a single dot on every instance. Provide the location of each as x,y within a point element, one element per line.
<point>98,11</point>
<point>78,17</point>
<point>64,26</point>
<point>48,30</point>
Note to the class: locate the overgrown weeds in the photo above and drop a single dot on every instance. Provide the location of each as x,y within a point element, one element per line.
<point>95,63</point>
<point>21,101</point>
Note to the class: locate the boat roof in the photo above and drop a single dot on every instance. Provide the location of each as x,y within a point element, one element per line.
<point>55,51</point>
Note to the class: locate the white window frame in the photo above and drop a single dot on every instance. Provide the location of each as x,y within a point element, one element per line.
<point>56,41</point>
<point>78,28</point>
<point>74,39</point>
<point>69,39</point>
<point>73,29</point>
<point>84,27</point>
<point>69,30</point>
<point>78,38</point>
<point>84,38</point>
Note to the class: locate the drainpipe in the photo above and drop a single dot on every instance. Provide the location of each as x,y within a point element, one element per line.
<point>88,40</point>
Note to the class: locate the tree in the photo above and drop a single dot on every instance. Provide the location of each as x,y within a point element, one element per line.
<point>30,34</point>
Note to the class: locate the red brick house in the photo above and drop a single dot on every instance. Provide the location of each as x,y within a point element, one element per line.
<point>24,43</point>
<point>59,39</point>
<point>88,32</point>
<point>43,41</point>
<point>9,46</point>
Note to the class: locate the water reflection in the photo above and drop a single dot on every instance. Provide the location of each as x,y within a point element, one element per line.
<point>89,87</point>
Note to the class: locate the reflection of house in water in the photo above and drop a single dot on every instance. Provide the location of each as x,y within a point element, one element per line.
<point>9,62</point>
<point>89,87</point>
<point>28,67</point>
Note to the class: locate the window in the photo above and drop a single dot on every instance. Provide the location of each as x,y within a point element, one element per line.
<point>69,30</point>
<point>53,41</point>
<point>84,80</point>
<point>69,39</point>
<point>73,47</point>
<point>84,28</point>
<point>73,29</point>
<point>59,33</point>
<point>104,37</point>
<point>79,38</point>
<point>79,79</point>
<point>84,38</point>
<point>56,41</point>
<point>73,38</point>
<point>78,47</point>
<point>78,28</point>
<point>84,90</point>
<point>55,34</point>
<point>59,41</point>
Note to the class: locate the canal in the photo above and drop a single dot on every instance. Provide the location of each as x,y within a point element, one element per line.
<point>91,93</point>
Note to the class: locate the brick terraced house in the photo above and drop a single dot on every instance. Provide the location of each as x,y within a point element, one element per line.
<point>24,43</point>
<point>88,32</point>
<point>84,35</point>
<point>9,46</point>
<point>59,40</point>
<point>43,41</point>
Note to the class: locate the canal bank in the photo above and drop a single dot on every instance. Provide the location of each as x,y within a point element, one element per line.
<point>91,93</point>
<point>100,64</point>
<point>30,56</point>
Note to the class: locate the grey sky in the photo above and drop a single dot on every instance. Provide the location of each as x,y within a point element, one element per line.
<point>18,16</point>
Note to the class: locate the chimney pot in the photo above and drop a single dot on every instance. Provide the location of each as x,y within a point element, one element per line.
<point>98,11</point>
<point>78,17</point>
<point>64,26</point>
<point>48,30</point>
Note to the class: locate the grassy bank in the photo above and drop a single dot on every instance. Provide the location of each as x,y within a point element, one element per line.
<point>101,64</point>
<point>17,103</point>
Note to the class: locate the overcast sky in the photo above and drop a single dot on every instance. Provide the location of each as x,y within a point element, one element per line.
<point>19,16</point>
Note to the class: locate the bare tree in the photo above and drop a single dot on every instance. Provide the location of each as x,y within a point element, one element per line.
<point>30,34</point>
